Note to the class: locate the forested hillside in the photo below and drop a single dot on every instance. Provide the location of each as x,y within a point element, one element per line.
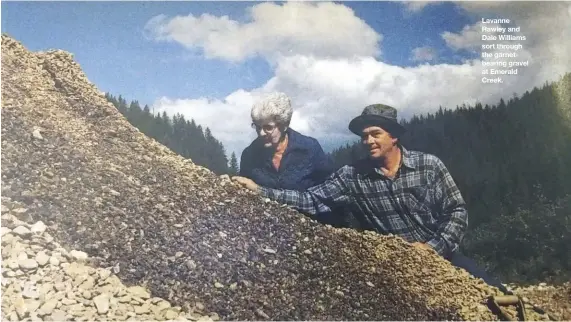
<point>512,162</point>
<point>182,136</point>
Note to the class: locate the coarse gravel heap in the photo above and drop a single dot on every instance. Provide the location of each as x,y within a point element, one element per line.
<point>156,220</point>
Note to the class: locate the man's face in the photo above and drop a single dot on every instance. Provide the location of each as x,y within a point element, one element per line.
<point>378,141</point>
<point>268,132</point>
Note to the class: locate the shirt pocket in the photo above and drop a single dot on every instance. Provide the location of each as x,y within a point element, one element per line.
<point>417,200</point>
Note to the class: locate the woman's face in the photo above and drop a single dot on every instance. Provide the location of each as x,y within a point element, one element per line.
<point>268,132</point>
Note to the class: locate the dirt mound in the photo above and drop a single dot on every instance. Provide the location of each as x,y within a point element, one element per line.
<point>188,235</point>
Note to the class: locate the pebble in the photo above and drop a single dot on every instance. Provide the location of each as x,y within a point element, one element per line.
<point>42,258</point>
<point>21,231</point>
<point>37,135</point>
<point>28,264</point>
<point>78,255</point>
<point>38,228</point>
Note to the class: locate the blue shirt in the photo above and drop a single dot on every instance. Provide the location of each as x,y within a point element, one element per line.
<point>303,163</point>
<point>421,204</point>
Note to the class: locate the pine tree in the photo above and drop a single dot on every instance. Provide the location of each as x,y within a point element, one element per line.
<point>233,168</point>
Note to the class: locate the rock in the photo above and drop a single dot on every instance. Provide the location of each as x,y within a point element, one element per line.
<point>13,264</point>
<point>5,230</point>
<point>38,228</point>
<point>170,314</point>
<point>87,295</point>
<point>78,255</point>
<point>30,291</point>
<point>28,264</point>
<point>48,307</point>
<point>32,305</point>
<point>36,134</point>
<point>58,315</point>
<point>190,264</point>
<point>143,309</point>
<point>101,303</point>
<point>262,314</point>
<point>21,231</point>
<point>54,261</point>
<point>104,274</point>
<point>138,291</point>
<point>21,308</point>
<point>88,284</point>
<point>42,258</point>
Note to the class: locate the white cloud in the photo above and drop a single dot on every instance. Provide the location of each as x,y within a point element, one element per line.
<point>424,54</point>
<point>546,28</point>
<point>321,29</point>
<point>329,88</point>
<point>417,6</point>
<point>469,38</point>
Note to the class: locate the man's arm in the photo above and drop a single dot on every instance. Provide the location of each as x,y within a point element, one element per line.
<point>317,199</point>
<point>453,216</point>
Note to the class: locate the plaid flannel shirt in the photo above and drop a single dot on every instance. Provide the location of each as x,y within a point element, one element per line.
<point>421,204</point>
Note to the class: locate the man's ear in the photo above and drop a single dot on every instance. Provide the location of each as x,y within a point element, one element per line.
<point>394,140</point>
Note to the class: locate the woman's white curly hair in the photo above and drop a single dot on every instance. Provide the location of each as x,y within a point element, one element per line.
<point>275,107</point>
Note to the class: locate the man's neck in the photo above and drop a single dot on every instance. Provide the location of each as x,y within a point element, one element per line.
<point>390,164</point>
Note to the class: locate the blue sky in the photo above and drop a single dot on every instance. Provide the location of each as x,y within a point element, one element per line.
<point>119,55</point>
<point>108,41</point>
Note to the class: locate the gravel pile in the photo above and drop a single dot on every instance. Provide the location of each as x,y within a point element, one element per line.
<point>188,236</point>
<point>43,281</point>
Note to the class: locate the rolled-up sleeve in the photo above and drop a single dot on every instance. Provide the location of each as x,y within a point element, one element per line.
<point>315,200</point>
<point>453,215</point>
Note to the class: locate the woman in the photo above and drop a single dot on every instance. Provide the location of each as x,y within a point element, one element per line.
<point>281,157</point>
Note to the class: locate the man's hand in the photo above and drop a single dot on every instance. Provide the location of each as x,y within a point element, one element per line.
<point>247,183</point>
<point>423,246</point>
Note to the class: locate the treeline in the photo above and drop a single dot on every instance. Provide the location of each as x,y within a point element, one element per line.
<point>178,134</point>
<point>512,162</point>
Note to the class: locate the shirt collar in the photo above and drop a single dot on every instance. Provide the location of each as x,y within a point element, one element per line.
<point>407,160</point>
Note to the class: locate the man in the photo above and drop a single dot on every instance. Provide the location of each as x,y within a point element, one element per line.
<point>407,193</point>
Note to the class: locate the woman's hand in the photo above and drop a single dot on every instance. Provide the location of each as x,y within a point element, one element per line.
<point>247,183</point>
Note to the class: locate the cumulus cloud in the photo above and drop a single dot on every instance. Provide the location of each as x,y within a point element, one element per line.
<point>320,29</point>
<point>469,38</point>
<point>330,84</point>
<point>424,54</point>
<point>546,28</point>
<point>327,93</point>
